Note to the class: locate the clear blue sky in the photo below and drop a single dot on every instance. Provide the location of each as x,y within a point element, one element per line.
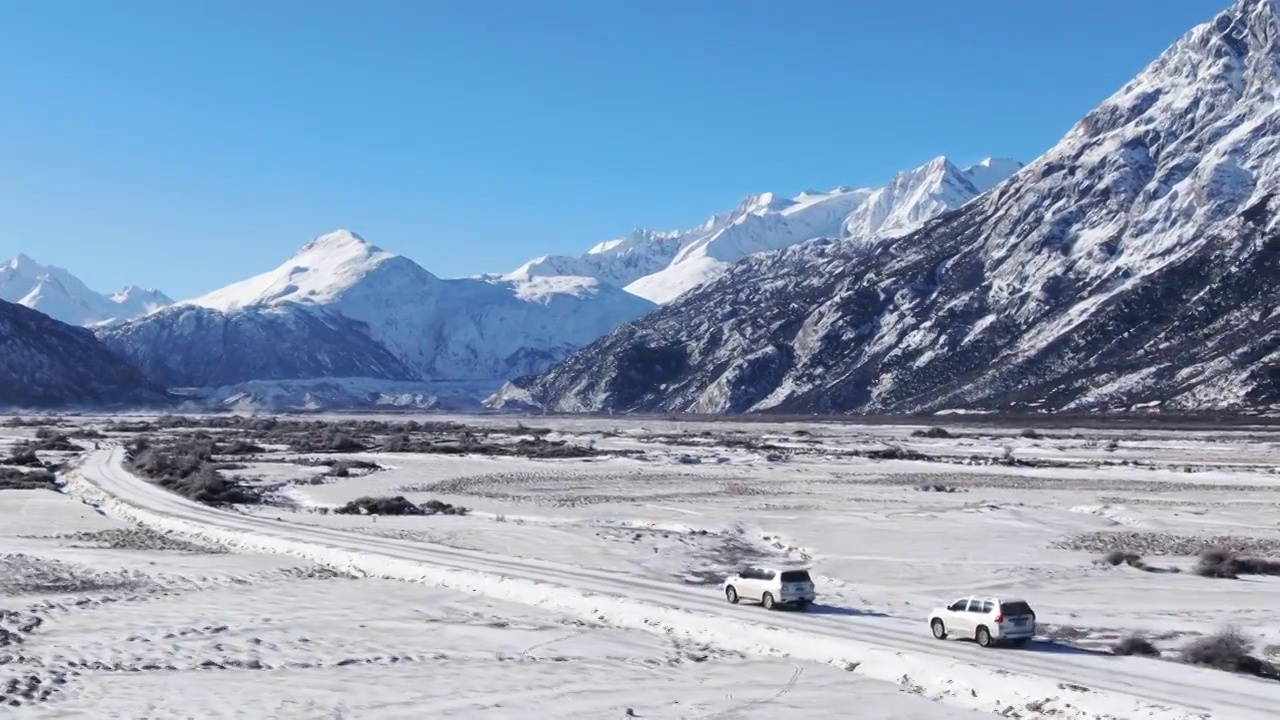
<point>186,144</point>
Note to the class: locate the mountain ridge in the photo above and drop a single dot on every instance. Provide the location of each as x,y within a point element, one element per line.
<point>47,363</point>
<point>341,307</point>
<point>660,266</point>
<point>61,295</point>
<point>1131,265</point>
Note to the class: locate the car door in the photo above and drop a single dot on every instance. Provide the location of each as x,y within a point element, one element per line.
<point>766,584</point>
<point>750,586</point>
<point>975,616</point>
<point>957,616</point>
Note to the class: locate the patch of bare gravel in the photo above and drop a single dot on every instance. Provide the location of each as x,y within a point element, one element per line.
<point>29,575</point>
<point>136,539</point>
<point>1157,544</point>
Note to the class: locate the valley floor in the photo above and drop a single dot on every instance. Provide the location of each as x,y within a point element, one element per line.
<point>589,587</point>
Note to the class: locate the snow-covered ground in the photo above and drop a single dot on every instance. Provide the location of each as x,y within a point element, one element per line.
<point>588,587</point>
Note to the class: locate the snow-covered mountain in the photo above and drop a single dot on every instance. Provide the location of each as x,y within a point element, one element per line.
<point>343,308</point>
<point>62,296</point>
<point>1134,264</point>
<point>661,266</point>
<point>46,363</point>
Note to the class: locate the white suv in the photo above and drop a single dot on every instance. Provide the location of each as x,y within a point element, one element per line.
<point>987,620</point>
<point>770,587</point>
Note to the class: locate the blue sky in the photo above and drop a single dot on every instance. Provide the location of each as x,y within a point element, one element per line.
<point>185,145</point>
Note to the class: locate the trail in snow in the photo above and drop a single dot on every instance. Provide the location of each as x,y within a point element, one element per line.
<point>1075,684</point>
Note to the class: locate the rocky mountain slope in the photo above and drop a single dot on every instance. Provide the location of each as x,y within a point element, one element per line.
<point>343,308</point>
<point>1134,264</point>
<point>62,296</point>
<point>46,363</point>
<point>661,266</point>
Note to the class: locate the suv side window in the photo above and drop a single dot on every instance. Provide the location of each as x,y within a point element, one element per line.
<point>958,606</point>
<point>749,574</point>
<point>975,606</point>
<point>988,607</point>
<point>767,574</point>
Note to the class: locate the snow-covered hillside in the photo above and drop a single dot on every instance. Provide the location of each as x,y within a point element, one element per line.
<point>1134,263</point>
<point>62,296</point>
<point>47,363</point>
<point>343,308</point>
<point>661,266</point>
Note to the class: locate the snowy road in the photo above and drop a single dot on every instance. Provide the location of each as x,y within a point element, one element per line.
<point>1078,683</point>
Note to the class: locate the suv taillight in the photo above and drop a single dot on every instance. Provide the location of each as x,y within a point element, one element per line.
<point>1000,618</point>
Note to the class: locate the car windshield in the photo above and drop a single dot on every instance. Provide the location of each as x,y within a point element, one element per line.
<point>1016,608</point>
<point>795,576</point>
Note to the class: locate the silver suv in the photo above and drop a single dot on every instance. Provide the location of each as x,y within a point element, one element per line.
<point>770,587</point>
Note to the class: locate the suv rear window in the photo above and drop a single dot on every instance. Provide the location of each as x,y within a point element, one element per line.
<point>1016,608</point>
<point>795,576</point>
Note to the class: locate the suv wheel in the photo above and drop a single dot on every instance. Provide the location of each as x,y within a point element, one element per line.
<point>983,637</point>
<point>767,601</point>
<point>731,595</point>
<point>939,629</point>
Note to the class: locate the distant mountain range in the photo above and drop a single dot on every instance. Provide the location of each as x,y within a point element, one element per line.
<point>344,323</point>
<point>342,312</point>
<point>1134,265</point>
<point>661,266</point>
<point>62,296</point>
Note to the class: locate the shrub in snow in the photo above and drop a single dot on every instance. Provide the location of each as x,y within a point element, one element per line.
<point>14,479</point>
<point>185,468</point>
<point>893,453</point>
<point>436,506</point>
<point>1228,650</point>
<point>1135,645</point>
<point>52,442</point>
<point>933,432</point>
<point>241,447</point>
<point>19,422</point>
<point>397,505</point>
<point>1223,563</point>
<point>1123,557</point>
<point>24,457</point>
<point>1030,434</point>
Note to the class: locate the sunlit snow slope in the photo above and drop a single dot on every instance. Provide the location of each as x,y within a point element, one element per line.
<point>343,308</point>
<point>661,266</point>
<point>1132,264</point>
<point>62,296</point>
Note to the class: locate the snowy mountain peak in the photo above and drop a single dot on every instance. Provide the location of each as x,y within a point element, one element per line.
<point>23,263</point>
<point>991,172</point>
<point>913,197</point>
<point>320,272</point>
<point>1132,265</point>
<point>63,297</point>
<point>762,203</point>
<point>342,242</point>
<point>662,266</point>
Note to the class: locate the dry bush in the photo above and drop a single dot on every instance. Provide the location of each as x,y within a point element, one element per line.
<point>1135,645</point>
<point>398,505</point>
<point>1223,563</point>
<point>933,432</point>
<point>185,467</point>
<point>24,457</point>
<point>14,479</point>
<point>1228,650</point>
